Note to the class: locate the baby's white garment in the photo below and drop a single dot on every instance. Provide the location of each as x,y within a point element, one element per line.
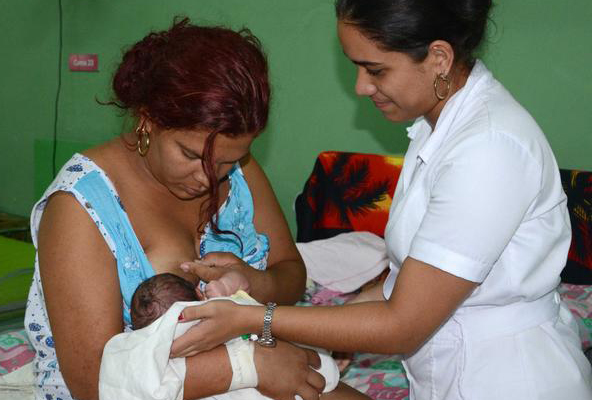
<point>136,365</point>
<point>345,262</point>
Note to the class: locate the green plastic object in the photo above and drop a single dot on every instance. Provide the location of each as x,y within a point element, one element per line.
<point>16,270</point>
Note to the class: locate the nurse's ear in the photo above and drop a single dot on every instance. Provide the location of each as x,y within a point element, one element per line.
<point>440,57</point>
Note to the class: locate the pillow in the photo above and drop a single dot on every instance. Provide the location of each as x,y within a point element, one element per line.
<point>347,192</point>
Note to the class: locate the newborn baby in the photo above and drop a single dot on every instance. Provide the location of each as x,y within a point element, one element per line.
<point>143,353</point>
<point>155,295</point>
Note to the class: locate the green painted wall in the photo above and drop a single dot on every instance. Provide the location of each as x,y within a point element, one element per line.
<point>540,49</point>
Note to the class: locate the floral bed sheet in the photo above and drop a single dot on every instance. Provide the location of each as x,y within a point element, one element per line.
<point>379,376</point>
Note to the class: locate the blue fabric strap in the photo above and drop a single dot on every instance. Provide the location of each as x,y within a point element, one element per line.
<point>132,264</point>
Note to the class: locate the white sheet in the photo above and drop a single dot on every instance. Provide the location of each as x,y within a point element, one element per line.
<point>344,262</point>
<point>17,385</point>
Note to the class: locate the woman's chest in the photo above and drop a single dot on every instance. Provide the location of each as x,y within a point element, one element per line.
<point>168,239</point>
<point>168,229</point>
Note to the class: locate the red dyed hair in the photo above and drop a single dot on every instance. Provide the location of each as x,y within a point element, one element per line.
<point>196,77</point>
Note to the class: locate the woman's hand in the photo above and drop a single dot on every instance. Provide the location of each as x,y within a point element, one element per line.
<point>219,321</point>
<point>287,370</point>
<point>215,265</point>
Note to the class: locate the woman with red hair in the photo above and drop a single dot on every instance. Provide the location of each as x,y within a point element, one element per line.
<point>181,185</point>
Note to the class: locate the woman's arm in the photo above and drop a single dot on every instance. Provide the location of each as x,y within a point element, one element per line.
<point>285,278</point>
<point>423,299</point>
<point>81,290</point>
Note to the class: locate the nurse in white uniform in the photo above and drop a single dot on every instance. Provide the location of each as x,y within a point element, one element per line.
<point>478,230</point>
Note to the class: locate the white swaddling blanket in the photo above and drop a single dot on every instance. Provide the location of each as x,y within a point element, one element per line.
<point>136,365</point>
<point>345,262</point>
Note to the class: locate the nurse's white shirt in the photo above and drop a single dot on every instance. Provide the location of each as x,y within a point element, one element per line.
<point>480,197</point>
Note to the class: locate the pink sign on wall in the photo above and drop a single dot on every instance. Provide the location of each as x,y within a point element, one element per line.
<point>83,62</point>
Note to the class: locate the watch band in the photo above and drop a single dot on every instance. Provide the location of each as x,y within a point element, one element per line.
<point>267,339</point>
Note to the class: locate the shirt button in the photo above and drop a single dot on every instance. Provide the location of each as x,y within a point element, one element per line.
<point>241,226</point>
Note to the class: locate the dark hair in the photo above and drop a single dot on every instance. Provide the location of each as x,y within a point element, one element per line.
<point>410,26</point>
<point>197,77</point>
<point>155,295</point>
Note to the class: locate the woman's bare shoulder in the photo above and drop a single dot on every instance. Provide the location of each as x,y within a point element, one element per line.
<point>110,156</point>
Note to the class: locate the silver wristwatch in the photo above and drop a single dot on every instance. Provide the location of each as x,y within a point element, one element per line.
<point>266,339</point>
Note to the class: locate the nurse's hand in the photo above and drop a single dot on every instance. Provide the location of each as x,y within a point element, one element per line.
<point>219,321</point>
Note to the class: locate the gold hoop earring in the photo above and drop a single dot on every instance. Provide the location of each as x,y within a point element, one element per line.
<point>143,142</point>
<point>436,86</point>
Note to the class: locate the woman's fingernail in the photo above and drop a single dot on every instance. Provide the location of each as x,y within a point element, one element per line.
<point>185,267</point>
<point>180,318</point>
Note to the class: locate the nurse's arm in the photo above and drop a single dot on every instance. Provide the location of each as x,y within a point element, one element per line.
<point>423,298</point>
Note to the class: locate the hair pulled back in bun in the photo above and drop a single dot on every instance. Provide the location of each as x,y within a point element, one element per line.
<point>409,26</point>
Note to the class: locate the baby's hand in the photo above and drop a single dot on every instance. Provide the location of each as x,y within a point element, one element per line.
<point>227,285</point>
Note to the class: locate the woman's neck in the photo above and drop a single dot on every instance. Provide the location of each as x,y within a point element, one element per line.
<point>458,78</point>
<point>140,169</point>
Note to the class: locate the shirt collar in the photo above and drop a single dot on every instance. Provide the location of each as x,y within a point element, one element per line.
<point>412,130</point>
<point>479,74</point>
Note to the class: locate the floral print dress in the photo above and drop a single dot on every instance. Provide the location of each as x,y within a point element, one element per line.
<point>83,179</point>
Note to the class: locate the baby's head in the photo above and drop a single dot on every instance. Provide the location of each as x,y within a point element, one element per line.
<point>155,295</point>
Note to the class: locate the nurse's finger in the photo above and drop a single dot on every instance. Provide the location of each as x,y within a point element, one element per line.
<point>185,352</point>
